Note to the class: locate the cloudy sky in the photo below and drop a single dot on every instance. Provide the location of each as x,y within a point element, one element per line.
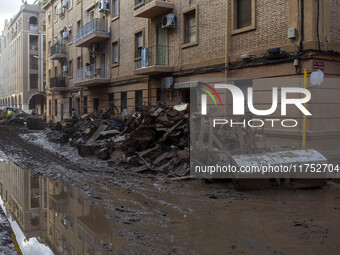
<point>8,9</point>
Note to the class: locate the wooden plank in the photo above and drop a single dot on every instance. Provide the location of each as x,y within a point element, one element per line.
<point>96,134</point>
<point>165,136</point>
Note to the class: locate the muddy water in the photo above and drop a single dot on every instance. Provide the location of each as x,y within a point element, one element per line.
<point>158,217</point>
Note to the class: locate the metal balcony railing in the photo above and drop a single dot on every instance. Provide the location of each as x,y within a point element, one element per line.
<point>57,48</point>
<point>91,72</point>
<point>96,25</point>
<point>139,3</point>
<point>152,56</point>
<point>58,82</point>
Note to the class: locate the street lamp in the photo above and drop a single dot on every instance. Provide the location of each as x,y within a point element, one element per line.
<point>316,78</point>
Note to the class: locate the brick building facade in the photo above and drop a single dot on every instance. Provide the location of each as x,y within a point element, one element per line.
<point>137,44</point>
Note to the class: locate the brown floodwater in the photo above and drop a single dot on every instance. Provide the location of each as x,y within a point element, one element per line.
<point>93,215</point>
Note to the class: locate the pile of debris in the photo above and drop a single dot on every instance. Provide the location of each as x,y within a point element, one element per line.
<point>22,119</point>
<point>157,139</point>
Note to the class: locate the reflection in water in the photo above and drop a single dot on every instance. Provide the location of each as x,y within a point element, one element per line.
<point>180,219</point>
<point>53,213</point>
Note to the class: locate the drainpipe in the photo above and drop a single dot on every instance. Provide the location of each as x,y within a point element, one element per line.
<point>227,41</point>
<point>302,30</point>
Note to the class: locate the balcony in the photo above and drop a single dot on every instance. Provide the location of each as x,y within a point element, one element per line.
<point>57,51</point>
<point>152,8</point>
<point>92,75</point>
<point>153,61</point>
<point>57,84</point>
<point>93,32</point>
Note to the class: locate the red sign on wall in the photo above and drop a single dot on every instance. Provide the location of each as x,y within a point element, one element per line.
<point>319,65</point>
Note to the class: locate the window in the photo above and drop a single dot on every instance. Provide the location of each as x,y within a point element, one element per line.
<point>85,104</point>
<point>49,107</point>
<point>33,42</point>
<point>70,105</point>
<point>95,104</point>
<point>123,101</point>
<point>56,107</point>
<point>55,13</point>
<point>70,36</point>
<point>190,27</point>
<point>49,18</point>
<point>111,98</point>
<point>34,81</point>
<point>33,62</point>
<point>78,63</point>
<point>70,68</point>
<point>115,53</point>
<point>243,15</point>
<point>139,44</point>
<point>138,100</point>
<point>70,4</point>
<point>90,15</point>
<point>33,22</point>
<point>114,8</point>
<point>139,2</point>
<point>49,47</point>
<point>44,43</point>
<point>161,95</point>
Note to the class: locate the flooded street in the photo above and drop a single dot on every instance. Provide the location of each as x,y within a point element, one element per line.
<point>159,217</point>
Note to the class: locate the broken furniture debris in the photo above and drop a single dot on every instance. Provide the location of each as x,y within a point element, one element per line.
<point>22,119</point>
<point>154,140</point>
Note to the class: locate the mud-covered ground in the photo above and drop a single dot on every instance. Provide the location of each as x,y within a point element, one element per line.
<point>153,215</point>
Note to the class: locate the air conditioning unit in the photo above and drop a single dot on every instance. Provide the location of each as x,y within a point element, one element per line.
<point>104,6</point>
<point>65,3</point>
<point>65,35</point>
<point>169,21</point>
<point>65,69</point>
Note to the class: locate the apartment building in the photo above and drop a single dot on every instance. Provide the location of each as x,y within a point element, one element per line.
<point>120,53</point>
<point>137,52</point>
<point>74,226</point>
<point>24,196</point>
<point>22,55</point>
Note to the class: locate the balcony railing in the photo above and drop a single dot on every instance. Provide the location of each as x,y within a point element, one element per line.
<point>92,74</point>
<point>153,60</point>
<point>57,51</point>
<point>95,31</point>
<point>57,83</point>
<point>152,8</point>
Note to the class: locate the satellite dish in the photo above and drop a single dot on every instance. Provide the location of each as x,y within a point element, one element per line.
<point>317,78</point>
